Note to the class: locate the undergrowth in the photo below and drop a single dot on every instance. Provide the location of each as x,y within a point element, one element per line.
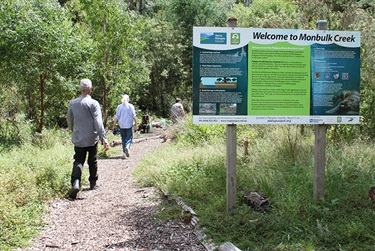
<point>32,174</point>
<point>280,166</point>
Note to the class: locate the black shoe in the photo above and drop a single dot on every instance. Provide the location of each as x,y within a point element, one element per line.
<point>74,190</point>
<point>93,185</point>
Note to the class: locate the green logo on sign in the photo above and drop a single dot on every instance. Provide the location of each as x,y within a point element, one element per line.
<point>235,38</point>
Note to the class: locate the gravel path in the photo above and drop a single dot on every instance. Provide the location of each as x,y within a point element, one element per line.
<point>116,216</point>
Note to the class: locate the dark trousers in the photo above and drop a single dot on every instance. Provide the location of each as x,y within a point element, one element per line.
<point>79,161</point>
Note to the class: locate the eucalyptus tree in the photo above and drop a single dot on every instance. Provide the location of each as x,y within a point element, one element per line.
<point>164,54</point>
<point>118,55</point>
<point>267,14</point>
<point>184,14</point>
<point>170,45</point>
<point>42,56</point>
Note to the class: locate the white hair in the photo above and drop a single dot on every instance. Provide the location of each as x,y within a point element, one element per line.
<point>125,99</point>
<point>85,84</point>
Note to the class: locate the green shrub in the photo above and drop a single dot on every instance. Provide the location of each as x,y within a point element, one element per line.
<point>189,133</point>
<point>31,175</point>
<point>14,131</point>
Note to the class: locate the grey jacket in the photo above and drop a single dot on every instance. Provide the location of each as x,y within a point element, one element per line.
<point>84,118</point>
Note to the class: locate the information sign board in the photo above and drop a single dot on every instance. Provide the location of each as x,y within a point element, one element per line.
<point>275,76</point>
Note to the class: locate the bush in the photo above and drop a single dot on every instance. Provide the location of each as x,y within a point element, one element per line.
<point>31,175</point>
<point>188,133</point>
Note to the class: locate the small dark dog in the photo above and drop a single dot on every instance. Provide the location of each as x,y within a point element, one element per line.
<point>145,125</point>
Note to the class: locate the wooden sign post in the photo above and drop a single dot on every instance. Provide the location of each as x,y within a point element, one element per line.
<point>320,147</point>
<point>231,146</point>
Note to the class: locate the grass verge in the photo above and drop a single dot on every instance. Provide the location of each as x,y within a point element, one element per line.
<point>280,166</point>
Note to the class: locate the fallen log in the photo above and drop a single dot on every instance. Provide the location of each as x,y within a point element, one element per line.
<point>256,200</point>
<point>116,142</point>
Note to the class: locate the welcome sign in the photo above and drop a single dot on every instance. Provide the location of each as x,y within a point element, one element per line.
<point>275,76</point>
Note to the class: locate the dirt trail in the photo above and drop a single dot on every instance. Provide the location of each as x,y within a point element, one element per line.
<point>116,216</point>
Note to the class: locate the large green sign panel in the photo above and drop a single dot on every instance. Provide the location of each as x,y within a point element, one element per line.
<point>274,76</point>
<point>280,77</point>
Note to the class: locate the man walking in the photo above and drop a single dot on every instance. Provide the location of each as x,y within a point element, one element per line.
<point>84,118</point>
<point>177,111</point>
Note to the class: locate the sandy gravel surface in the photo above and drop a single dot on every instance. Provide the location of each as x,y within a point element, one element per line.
<point>116,216</point>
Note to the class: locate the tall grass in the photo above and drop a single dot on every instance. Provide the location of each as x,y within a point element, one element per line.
<point>31,175</point>
<point>280,166</point>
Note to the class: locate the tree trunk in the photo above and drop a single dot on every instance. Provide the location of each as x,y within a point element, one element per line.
<point>105,75</point>
<point>42,78</point>
<point>140,7</point>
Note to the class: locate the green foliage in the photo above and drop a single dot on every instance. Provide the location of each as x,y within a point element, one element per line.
<point>170,47</point>
<point>267,14</point>
<point>188,13</point>
<point>169,211</point>
<point>43,55</point>
<point>17,131</point>
<point>14,131</point>
<point>190,176</point>
<point>364,21</point>
<point>119,54</point>
<point>165,59</point>
<point>187,132</point>
<point>280,166</point>
<point>18,224</point>
<point>30,175</point>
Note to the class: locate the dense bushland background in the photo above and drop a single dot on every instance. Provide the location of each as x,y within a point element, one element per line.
<point>143,48</point>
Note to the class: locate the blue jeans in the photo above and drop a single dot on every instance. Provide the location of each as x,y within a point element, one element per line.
<point>126,137</point>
